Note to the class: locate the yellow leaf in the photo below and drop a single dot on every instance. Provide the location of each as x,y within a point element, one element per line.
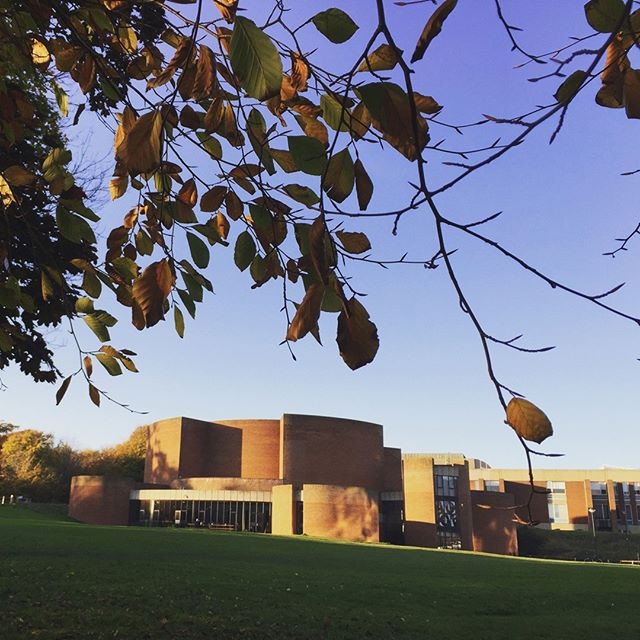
<point>299,73</point>
<point>128,39</point>
<point>46,286</point>
<point>40,54</point>
<point>528,421</point>
<point>6,194</point>
<point>118,186</point>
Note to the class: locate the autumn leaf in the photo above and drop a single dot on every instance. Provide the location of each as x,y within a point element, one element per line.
<point>384,58</point>
<point>354,241</point>
<point>140,150</point>
<point>151,289</point>
<point>307,314</point>
<point>528,421</point>
<point>432,28</point>
<point>364,185</point>
<point>357,336</point>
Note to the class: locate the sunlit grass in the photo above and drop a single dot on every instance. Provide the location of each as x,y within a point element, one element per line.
<point>60,579</point>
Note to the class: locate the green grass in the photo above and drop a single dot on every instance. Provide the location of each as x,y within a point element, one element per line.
<point>60,579</point>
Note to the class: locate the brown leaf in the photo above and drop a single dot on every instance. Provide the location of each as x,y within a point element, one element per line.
<point>205,84</point>
<point>85,73</point>
<point>357,336</point>
<point>317,251</point>
<point>426,104</point>
<point>299,72</point>
<point>141,148</point>
<point>433,28</point>
<point>188,193</point>
<point>528,421</point>
<point>631,93</point>
<point>354,241</point>
<point>212,200</point>
<point>62,390</point>
<point>364,185</point>
<point>222,225</point>
<point>151,289</point>
<point>307,314</point>
<point>180,58</point>
<point>88,365</point>
<point>385,57</point>
<point>234,205</point>
<point>227,8</point>
<point>94,394</point>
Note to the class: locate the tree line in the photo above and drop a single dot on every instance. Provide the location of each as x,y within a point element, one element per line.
<point>34,465</point>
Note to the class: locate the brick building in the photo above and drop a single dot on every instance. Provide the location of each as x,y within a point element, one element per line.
<point>334,478</point>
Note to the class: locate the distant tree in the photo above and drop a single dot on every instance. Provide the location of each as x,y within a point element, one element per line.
<point>281,144</point>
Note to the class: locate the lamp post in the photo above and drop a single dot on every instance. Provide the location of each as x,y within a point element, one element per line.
<point>592,514</point>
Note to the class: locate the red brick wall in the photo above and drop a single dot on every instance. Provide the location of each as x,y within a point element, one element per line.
<point>493,528</point>
<point>392,470</point>
<point>419,502</point>
<point>521,492</point>
<point>163,451</point>
<point>332,451</point>
<point>260,442</point>
<point>343,513</point>
<point>100,500</point>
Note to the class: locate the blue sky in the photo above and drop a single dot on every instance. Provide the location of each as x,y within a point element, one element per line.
<point>562,205</point>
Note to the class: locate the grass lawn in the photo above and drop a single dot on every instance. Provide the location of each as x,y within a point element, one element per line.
<point>60,579</point>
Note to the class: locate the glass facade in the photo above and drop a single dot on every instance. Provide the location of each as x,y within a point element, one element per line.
<point>447,512</point>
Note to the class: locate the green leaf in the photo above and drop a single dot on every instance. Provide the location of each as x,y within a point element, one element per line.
<point>605,16</point>
<point>84,305</point>
<point>339,178</point>
<point>284,159</point>
<point>302,194</point>
<point>333,113</point>
<point>309,154</point>
<point>97,326</point>
<point>91,284</point>
<point>199,251</point>
<point>187,301</point>
<point>255,60</point>
<point>245,250</point>
<point>109,363</point>
<point>73,227</point>
<point>257,131</point>
<point>568,89</point>
<point>335,25</point>
<point>210,144</point>
<point>178,320</point>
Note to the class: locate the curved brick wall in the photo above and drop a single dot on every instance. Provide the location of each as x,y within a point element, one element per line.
<point>332,451</point>
<point>344,513</point>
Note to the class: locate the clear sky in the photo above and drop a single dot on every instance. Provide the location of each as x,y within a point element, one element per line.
<point>563,205</point>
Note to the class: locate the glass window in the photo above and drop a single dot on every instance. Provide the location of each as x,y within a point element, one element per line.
<point>556,487</point>
<point>492,485</point>
<point>558,513</point>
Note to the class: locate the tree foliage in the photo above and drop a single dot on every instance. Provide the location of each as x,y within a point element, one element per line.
<point>231,136</point>
<point>33,465</point>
